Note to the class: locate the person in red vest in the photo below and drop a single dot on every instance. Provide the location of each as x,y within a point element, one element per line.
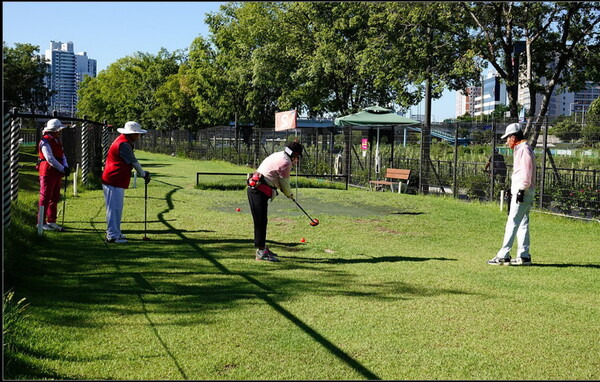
<point>52,165</point>
<point>116,176</point>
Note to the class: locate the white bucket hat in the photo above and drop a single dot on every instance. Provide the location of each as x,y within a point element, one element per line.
<point>132,127</point>
<point>511,129</point>
<point>53,126</point>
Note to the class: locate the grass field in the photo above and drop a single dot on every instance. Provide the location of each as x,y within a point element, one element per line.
<point>388,286</point>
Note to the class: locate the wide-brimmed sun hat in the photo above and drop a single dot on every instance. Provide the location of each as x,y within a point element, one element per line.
<point>53,126</point>
<point>132,127</point>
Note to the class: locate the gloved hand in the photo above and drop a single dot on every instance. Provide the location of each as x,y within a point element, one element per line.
<point>67,171</point>
<point>520,196</point>
<point>147,177</point>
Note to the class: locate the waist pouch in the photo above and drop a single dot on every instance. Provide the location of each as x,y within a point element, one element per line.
<point>257,182</point>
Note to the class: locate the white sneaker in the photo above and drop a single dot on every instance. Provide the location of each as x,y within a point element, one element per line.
<point>116,240</point>
<point>46,227</point>
<point>55,226</point>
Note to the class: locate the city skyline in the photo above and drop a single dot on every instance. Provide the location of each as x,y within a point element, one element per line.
<point>124,28</point>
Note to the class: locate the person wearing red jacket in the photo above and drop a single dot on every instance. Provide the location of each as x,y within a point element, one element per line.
<point>52,165</point>
<point>116,176</point>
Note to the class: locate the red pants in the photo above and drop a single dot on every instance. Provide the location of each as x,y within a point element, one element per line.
<point>49,196</point>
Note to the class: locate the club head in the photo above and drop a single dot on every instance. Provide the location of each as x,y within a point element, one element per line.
<point>146,238</point>
<point>314,223</point>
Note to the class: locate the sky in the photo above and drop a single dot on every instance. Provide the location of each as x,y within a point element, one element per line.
<point>109,30</point>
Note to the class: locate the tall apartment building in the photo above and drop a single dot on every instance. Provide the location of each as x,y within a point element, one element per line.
<point>465,101</point>
<point>66,70</point>
<point>491,94</point>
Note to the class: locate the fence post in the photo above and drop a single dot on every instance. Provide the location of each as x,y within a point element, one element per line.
<point>543,178</point>
<point>6,172</point>
<point>454,164</point>
<point>105,143</point>
<point>15,129</point>
<point>85,146</point>
<point>493,160</point>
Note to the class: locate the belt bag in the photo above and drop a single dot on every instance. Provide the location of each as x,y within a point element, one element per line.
<point>257,182</point>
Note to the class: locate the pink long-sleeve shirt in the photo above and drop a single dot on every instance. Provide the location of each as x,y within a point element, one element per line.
<point>523,176</point>
<point>276,169</point>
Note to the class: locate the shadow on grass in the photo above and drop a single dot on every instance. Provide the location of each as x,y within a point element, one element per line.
<point>372,260</point>
<point>591,266</point>
<point>69,274</point>
<point>332,348</point>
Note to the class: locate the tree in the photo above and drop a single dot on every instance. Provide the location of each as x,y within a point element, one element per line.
<point>593,113</point>
<point>127,89</point>
<point>560,41</point>
<point>566,130</point>
<point>24,73</point>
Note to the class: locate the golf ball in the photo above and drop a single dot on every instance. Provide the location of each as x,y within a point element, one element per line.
<point>302,240</point>
<point>238,209</point>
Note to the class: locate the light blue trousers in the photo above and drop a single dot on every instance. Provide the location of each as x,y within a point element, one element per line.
<point>518,225</point>
<point>113,198</point>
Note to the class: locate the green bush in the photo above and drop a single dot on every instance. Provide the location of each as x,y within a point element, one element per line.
<point>476,185</point>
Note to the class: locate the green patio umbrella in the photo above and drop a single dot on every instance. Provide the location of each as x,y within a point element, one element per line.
<point>375,116</point>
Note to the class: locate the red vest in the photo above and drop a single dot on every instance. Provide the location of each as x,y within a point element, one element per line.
<point>117,173</point>
<point>57,152</point>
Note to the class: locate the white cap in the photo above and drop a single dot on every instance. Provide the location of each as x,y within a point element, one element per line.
<point>53,126</point>
<point>132,127</point>
<point>511,129</point>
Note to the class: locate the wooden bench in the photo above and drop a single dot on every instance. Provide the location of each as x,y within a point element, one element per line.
<point>392,176</point>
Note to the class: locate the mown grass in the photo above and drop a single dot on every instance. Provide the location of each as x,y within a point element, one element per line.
<point>388,286</point>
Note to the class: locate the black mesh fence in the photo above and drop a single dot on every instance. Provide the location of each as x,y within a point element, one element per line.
<point>458,165</point>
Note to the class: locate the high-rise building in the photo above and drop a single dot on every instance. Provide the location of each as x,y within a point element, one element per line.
<point>66,70</point>
<point>465,101</point>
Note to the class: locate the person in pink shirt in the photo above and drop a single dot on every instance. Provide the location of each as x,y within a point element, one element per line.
<point>272,174</point>
<point>523,191</point>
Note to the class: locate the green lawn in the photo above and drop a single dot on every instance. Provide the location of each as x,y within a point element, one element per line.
<point>387,286</point>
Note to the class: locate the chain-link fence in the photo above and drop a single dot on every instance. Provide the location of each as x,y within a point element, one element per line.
<point>458,164</point>
<point>82,142</point>
<point>568,166</point>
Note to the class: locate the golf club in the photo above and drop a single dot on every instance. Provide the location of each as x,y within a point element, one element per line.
<point>313,222</point>
<point>64,203</point>
<point>146,238</point>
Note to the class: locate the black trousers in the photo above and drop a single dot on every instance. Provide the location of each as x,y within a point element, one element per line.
<point>259,204</point>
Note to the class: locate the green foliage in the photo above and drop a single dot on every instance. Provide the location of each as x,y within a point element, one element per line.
<point>594,110</point>
<point>510,34</point>
<point>591,134</point>
<point>127,90</point>
<point>477,186</point>
<point>566,130</point>
<point>583,198</point>
<point>13,314</point>
<point>23,73</point>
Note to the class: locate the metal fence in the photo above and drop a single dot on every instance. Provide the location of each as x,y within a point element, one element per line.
<point>568,170</point>
<point>82,140</point>
<point>568,173</point>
